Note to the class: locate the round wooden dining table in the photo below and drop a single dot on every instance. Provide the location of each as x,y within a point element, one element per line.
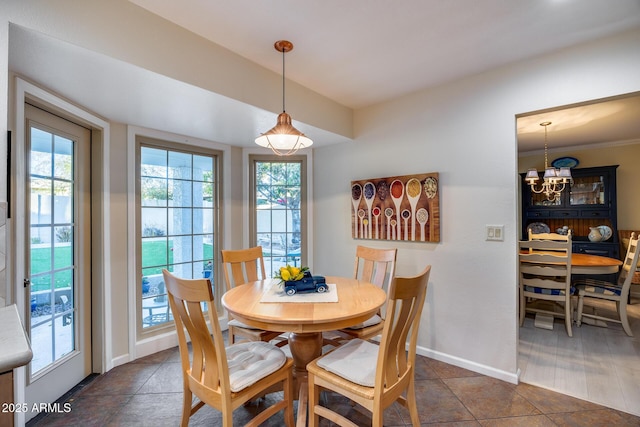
<point>305,321</point>
<point>593,264</point>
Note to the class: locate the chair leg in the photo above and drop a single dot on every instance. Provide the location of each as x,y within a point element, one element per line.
<point>412,405</point>
<point>377,417</point>
<point>622,312</point>
<point>288,397</point>
<point>567,316</point>
<point>313,401</point>
<point>580,308</point>
<point>522,307</point>
<point>187,399</point>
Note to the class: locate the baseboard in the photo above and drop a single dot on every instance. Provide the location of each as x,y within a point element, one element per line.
<point>120,360</point>
<point>510,377</point>
<point>156,343</point>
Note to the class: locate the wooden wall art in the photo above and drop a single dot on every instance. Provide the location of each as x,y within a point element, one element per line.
<point>396,208</point>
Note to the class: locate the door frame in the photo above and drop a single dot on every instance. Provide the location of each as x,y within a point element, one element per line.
<point>101,345</point>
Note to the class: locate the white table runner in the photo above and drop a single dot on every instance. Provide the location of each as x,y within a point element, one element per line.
<point>276,294</point>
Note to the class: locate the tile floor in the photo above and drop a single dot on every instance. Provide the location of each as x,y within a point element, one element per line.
<point>148,392</point>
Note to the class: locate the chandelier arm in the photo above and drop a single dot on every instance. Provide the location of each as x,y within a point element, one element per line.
<point>533,189</point>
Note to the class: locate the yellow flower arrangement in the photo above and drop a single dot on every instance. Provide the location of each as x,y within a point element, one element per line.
<point>290,273</point>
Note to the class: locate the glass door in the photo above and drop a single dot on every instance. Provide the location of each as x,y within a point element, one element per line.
<point>57,279</point>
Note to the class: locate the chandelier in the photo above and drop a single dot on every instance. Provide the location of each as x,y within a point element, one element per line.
<point>283,139</point>
<point>554,180</point>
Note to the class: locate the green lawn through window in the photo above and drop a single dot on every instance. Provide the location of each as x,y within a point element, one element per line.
<point>154,253</point>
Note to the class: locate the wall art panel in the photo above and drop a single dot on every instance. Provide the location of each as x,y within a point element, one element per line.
<point>396,208</point>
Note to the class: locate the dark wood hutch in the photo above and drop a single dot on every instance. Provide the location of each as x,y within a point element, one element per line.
<point>589,202</point>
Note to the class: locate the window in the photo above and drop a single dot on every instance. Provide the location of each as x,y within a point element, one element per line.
<point>177,193</point>
<point>278,204</point>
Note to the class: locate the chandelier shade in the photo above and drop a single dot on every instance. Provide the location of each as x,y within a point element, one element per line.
<point>554,180</point>
<point>283,139</point>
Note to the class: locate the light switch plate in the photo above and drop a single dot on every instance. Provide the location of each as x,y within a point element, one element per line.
<point>495,233</point>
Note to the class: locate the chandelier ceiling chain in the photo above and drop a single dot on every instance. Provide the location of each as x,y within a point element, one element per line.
<point>283,139</point>
<point>554,181</point>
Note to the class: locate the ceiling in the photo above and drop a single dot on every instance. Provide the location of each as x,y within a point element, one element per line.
<point>610,121</point>
<point>357,53</point>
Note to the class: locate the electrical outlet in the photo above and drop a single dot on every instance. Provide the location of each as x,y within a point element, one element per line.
<point>495,233</point>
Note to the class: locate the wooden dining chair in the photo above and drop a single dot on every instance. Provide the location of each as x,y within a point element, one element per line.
<point>623,238</point>
<point>605,291</point>
<point>375,266</point>
<point>370,374</point>
<point>243,266</point>
<point>545,274</point>
<point>223,378</point>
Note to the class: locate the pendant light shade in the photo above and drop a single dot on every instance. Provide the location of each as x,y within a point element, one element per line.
<point>283,139</point>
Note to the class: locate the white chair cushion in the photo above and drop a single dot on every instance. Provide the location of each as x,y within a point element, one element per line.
<point>373,320</point>
<point>355,361</point>
<point>249,362</point>
<point>239,324</point>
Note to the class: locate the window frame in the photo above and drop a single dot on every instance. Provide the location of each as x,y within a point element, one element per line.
<point>305,218</point>
<point>167,144</point>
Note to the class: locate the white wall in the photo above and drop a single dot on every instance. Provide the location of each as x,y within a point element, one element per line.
<point>466,131</point>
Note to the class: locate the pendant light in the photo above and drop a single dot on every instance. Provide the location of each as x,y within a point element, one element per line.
<point>283,139</point>
<point>554,180</point>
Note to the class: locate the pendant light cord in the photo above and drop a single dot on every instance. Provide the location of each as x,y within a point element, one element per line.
<point>283,52</point>
<point>546,163</point>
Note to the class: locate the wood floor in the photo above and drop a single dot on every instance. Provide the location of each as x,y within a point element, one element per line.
<point>601,365</point>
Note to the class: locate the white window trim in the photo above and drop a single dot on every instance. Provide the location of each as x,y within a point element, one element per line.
<point>146,346</point>
<point>246,194</point>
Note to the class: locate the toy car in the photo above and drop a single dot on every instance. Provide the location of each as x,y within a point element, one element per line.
<point>308,283</point>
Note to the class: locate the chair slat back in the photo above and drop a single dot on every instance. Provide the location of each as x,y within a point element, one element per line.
<point>545,263</point>
<point>405,300</point>
<point>375,265</point>
<point>242,266</point>
<point>209,362</point>
<point>630,264</point>
<point>550,236</point>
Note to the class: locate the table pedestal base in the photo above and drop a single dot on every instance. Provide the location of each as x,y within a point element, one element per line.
<point>304,347</point>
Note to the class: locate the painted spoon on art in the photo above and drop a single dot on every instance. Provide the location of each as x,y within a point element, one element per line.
<point>414,190</point>
<point>369,193</point>
<point>376,214</point>
<point>422,216</point>
<point>393,229</point>
<point>356,195</point>
<point>388,212</point>
<point>406,214</point>
<point>397,191</point>
<point>361,216</point>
